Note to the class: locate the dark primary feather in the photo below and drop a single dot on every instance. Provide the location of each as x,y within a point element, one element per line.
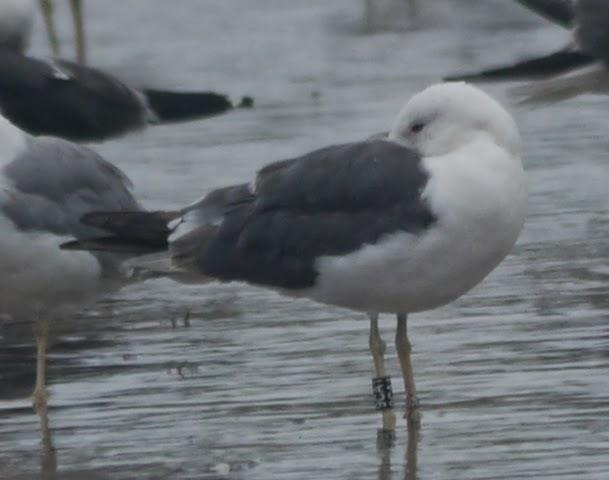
<point>592,30</point>
<point>540,67</point>
<point>330,202</point>
<point>183,106</point>
<point>557,11</point>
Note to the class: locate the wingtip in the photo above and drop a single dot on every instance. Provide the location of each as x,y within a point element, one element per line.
<point>246,102</point>
<point>460,78</point>
<point>72,245</point>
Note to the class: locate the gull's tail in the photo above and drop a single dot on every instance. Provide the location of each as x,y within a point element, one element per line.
<point>168,244</point>
<point>594,79</point>
<point>138,232</point>
<point>141,236</point>
<point>168,107</point>
<point>553,64</point>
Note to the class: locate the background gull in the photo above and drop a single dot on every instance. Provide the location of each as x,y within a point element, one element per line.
<point>64,99</point>
<point>46,185</point>
<point>580,67</point>
<point>395,225</point>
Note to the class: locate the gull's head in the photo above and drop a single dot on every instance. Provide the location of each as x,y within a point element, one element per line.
<point>447,116</point>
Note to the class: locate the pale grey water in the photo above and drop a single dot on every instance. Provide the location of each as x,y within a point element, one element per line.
<point>513,377</point>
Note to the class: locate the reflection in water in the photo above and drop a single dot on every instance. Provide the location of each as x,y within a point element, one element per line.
<point>412,449</point>
<point>386,446</point>
<point>48,464</point>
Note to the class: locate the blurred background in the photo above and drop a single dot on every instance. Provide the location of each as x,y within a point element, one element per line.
<point>512,378</point>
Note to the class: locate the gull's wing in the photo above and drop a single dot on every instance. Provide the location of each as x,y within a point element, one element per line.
<point>62,99</point>
<point>590,20</point>
<point>330,202</point>
<point>68,100</point>
<point>53,183</point>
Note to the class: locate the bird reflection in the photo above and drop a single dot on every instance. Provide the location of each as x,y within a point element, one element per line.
<point>48,459</point>
<point>385,443</point>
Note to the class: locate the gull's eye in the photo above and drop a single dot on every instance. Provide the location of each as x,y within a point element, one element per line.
<point>417,127</point>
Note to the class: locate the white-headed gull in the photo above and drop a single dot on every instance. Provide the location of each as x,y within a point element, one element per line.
<point>400,224</point>
<point>46,186</point>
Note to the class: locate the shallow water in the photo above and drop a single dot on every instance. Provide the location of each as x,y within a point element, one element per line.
<point>512,377</point>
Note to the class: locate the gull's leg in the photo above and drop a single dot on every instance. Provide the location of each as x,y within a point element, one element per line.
<point>47,12</point>
<point>377,347</point>
<point>412,447</point>
<point>369,14</point>
<point>81,41</point>
<point>40,394</point>
<point>412,7</point>
<point>48,462</point>
<point>402,345</point>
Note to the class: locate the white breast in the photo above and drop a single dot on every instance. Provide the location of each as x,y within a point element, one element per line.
<point>12,142</point>
<point>38,277</point>
<point>479,197</point>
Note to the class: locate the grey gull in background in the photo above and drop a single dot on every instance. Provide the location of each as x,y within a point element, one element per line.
<point>46,186</point>
<point>399,225</point>
<point>580,67</point>
<point>80,103</point>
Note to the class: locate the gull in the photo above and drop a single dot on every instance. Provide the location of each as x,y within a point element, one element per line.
<point>400,224</point>
<point>46,185</point>
<point>580,67</point>
<point>80,103</point>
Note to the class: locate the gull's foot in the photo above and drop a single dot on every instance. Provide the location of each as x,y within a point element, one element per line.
<point>413,411</point>
<point>385,439</point>
<point>40,399</point>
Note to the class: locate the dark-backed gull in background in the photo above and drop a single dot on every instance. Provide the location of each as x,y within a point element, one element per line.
<point>46,186</point>
<point>68,100</point>
<point>580,67</point>
<point>395,225</point>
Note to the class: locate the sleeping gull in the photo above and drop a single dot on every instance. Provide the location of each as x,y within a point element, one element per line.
<point>580,67</point>
<point>68,100</point>
<point>399,225</point>
<point>46,185</point>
